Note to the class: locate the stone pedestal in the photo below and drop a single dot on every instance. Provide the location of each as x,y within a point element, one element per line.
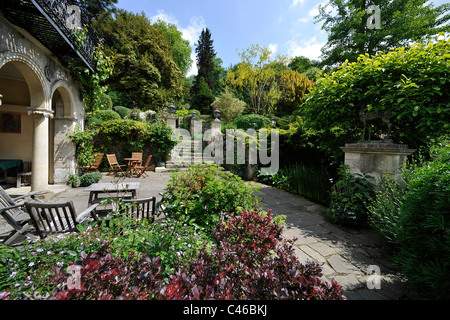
<point>376,158</point>
<point>171,122</point>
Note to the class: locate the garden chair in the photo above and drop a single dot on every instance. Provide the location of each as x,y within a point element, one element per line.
<point>138,157</point>
<point>53,218</point>
<point>114,166</point>
<point>26,173</point>
<point>132,208</point>
<point>96,164</point>
<point>140,170</point>
<point>12,210</point>
<point>140,208</point>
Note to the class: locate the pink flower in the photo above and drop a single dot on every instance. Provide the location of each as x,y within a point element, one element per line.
<point>4,296</point>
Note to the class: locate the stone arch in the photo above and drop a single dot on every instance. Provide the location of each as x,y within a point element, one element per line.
<point>39,109</point>
<point>67,96</point>
<point>34,77</point>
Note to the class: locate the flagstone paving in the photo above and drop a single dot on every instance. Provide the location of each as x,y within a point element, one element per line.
<point>346,255</point>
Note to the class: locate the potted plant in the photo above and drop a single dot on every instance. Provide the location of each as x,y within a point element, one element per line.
<point>74,181</point>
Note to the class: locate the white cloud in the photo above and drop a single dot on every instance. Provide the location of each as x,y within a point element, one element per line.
<point>191,33</point>
<point>310,48</point>
<point>273,47</point>
<point>162,15</point>
<point>296,2</point>
<point>193,30</point>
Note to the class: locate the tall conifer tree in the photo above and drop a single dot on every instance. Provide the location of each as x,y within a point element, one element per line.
<point>205,61</point>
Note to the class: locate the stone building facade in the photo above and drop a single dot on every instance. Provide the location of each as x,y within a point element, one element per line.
<point>40,102</point>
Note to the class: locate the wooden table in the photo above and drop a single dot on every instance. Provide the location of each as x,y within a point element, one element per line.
<point>131,163</point>
<point>112,189</point>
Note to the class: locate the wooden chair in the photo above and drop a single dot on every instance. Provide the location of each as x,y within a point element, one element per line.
<point>114,166</point>
<point>138,156</point>
<point>53,218</point>
<point>140,208</point>
<point>12,210</point>
<point>140,170</point>
<point>26,173</point>
<point>96,164</point>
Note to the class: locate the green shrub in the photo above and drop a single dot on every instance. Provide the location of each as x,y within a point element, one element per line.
<point>135,114</point>
<point>106,115</point>
<point>348,199</point>
<point>124,112</point>
<point>423,236</point>
<point>203,194</point>
<point>93,122</point>
<point>384,208</point>
<point>411,82</point>
<point>128,134</point>
<point>252,121</point>
<point>229,106</point>
<point>105,102</point>
<point>83,140</point>
<point>89,178</point>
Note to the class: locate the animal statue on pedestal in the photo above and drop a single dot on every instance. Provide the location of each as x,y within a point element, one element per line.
<point>366,116</point>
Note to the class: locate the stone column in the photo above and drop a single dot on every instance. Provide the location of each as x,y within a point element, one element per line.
<point>40,164</point>
<point>376,158</point>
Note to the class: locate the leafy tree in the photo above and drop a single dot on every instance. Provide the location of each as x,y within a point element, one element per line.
<point>205,61</point>
<point>401,22</point>
<point>257,74</point>
<point>410,82</point>
<point>229,106</point>
<point>180,48</point>
<point>144,69</point>
<point>203,99</point>
<point>219,73</point>
<point>294,87</point>
<point>307,67</point>
<point>97,8</point>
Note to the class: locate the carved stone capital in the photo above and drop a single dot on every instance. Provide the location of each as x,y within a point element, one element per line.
<point>42,112</point>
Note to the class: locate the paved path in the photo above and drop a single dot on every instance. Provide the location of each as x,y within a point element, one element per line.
<point>346,254</point>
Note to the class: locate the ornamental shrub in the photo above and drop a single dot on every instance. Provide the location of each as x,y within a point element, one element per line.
<point>251,262</point>
<point>106,115</point>
<point>412,82</point>
<point>204,193</point>
<point>423,236</point>
<point>252,121</point>
<point>348,199</point>
<point>124,112</point>
<point>89,178</point>
<point>229,106</point>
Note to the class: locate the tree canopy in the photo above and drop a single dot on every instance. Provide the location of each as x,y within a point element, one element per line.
<point>144,68</point>
<point>401,22</point>
<point>411,82</point>
<point>257,75</point>
<point>180,48</point>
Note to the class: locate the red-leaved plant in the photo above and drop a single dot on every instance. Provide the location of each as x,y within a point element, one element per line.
<point>251,260</point>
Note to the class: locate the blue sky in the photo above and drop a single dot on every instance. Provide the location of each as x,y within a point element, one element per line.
<point>285,26</point>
